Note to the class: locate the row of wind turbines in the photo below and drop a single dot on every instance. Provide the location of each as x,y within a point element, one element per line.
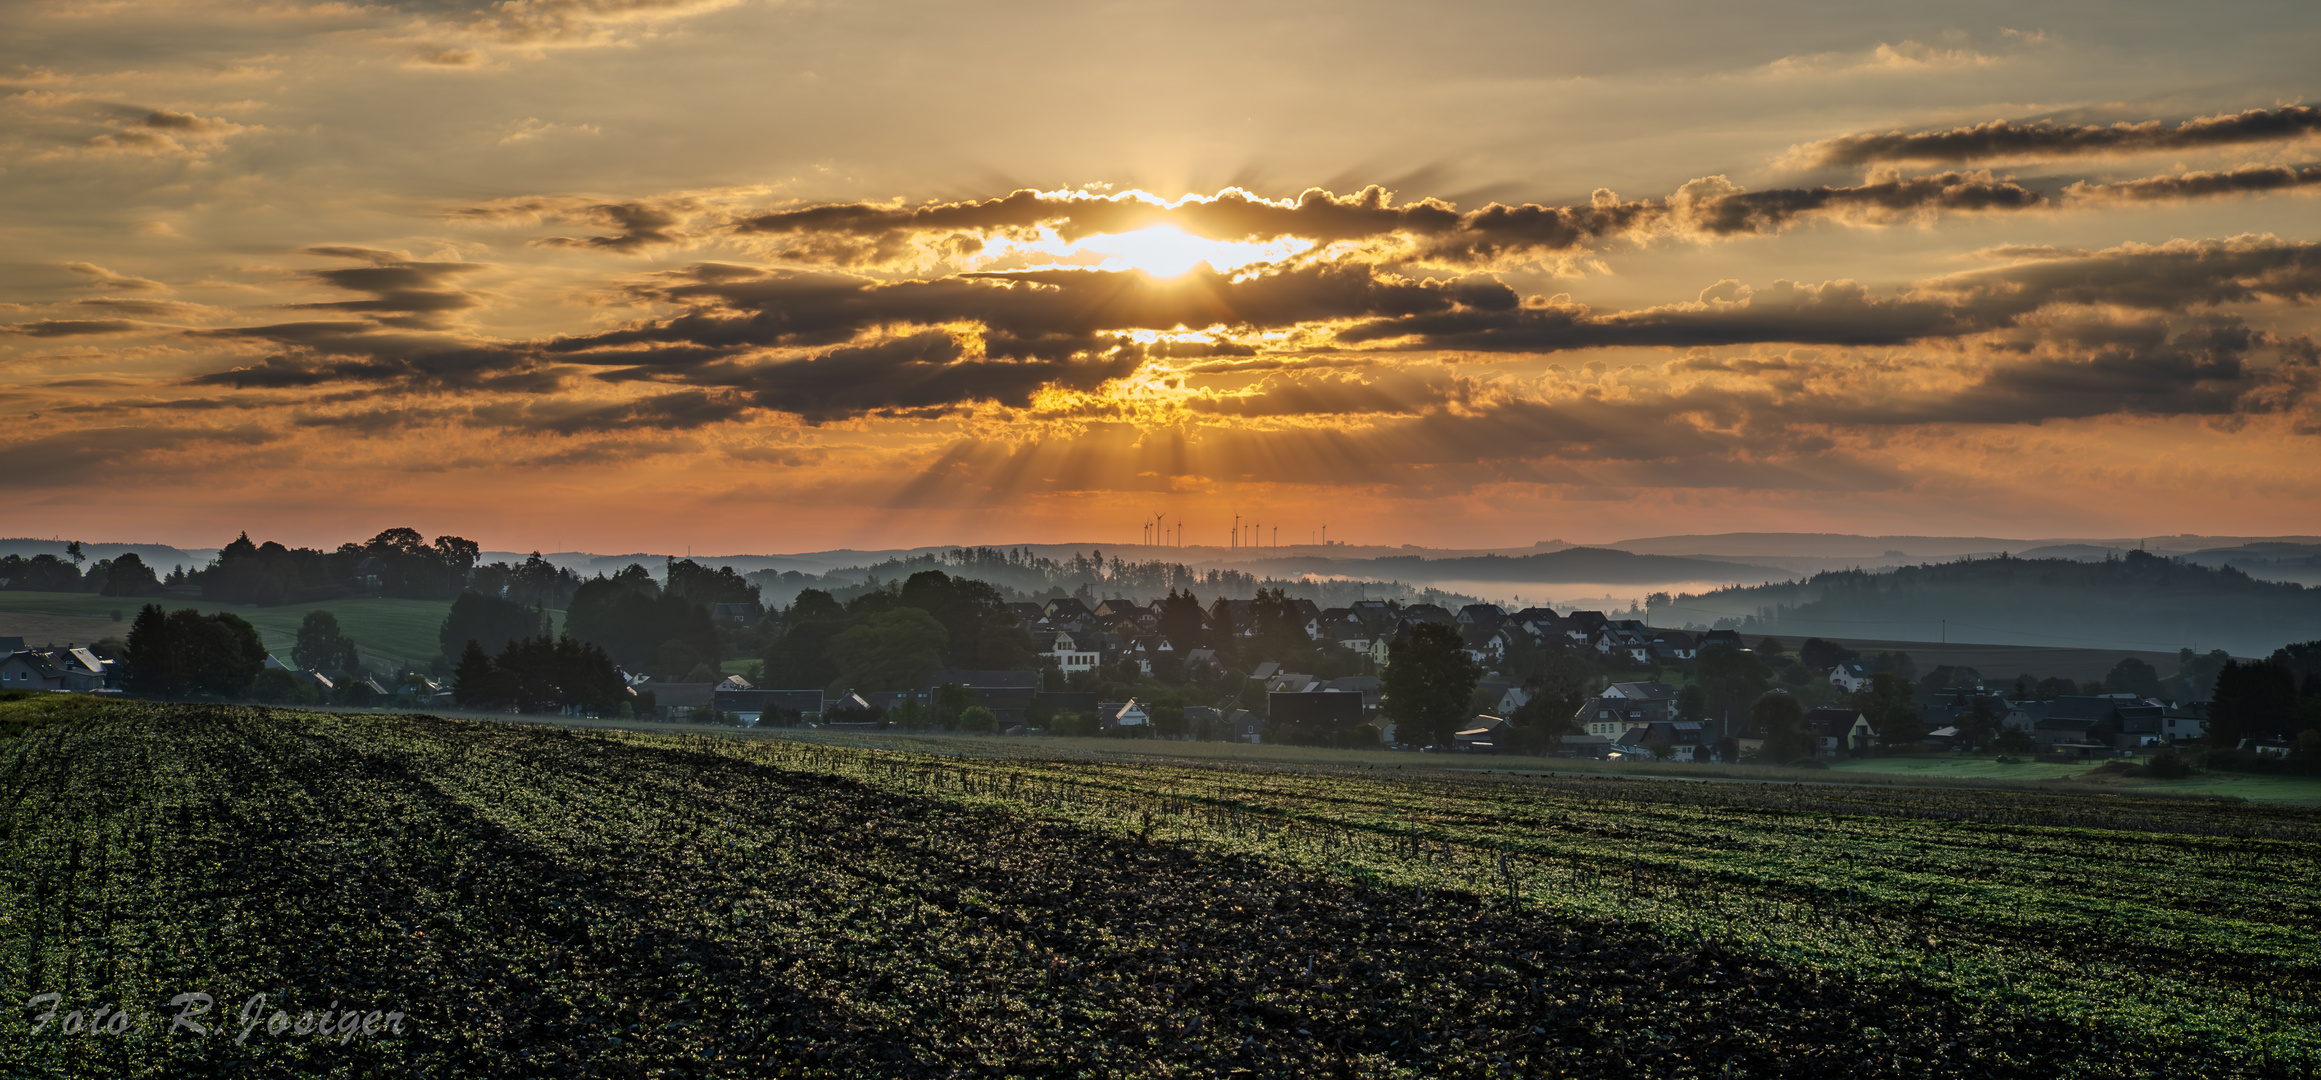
<point>1249,534</point>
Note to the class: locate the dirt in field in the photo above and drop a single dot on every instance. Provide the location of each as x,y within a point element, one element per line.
<point>571,906</point>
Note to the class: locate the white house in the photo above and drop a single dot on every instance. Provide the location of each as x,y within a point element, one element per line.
<point>1069,655</point>
<point>1121,714</point>
<point>1850,677</point>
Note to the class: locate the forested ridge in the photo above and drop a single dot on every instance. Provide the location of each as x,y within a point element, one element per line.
<point>2139,600</point>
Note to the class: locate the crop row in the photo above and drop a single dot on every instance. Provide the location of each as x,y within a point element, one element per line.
<point>550,903</point>
<point>2200,937</point>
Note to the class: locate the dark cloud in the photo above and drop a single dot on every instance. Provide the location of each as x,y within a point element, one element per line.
<point>1832,313</point>
<point>49,328</point>
<point>1715,207</point>
<point>2199,185</point>
<point>920,374</point>
<point>2017,140</point>
<point>165,120</point>
<point>677,410</point>
<point>324,352</point>
<point>412,295</point>
<point>638,224</point>
<point>567,22</point>
<point>2177,276</point>
<point>1025,313</point>
<point>154,308</point>
<point>1308,392</point>
<point>873,234</point>
<point>93,454</point>
<point>1435,232</point>
<point>101,278</point>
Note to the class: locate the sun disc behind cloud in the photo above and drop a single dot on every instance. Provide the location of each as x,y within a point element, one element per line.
<point>1166,251</point>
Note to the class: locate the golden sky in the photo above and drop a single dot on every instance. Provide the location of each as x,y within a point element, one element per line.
<point>747,275</point>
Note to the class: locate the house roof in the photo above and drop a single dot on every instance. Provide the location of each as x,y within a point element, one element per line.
<point>1832,720</point>
<point>682,695</point>
<point>973,678</point>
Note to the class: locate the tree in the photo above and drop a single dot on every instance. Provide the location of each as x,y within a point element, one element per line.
<point>539,673</point>
<point>896,649</point>
<point>185,652</point>
<point>2015,741</point>
<point>1428,681</point>
<point>320,646</point>
<point>275,686</point>
<point>1779,719</point>
<point>1557,689</point>
<point>152,659</point>
<point>983,632</point>
<point>952,700</point>
<point>1180,621</point>
<point>40,573</point>
<point>474,682</point>
<point>2133,676</point>
<point>1821,655</point>
<point>709,588</point>
<point>1730,680</point>
<point>1887,704</point>
<point>127,575</point>
<point>486,619</point>
<point>978,720</point>
<point>617,614</point>
<point>2254,700</point>
<point>800,659</point>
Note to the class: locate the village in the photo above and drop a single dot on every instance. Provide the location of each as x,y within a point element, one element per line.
<point>1661,716</point>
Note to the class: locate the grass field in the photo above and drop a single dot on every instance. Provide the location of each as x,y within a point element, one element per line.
<point>388,633</point>
<point>1965,768</point>
<point>2304,789</point>
<point>545,901</point>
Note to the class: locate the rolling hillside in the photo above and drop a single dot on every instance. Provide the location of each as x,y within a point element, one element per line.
<point>2138,602</point>
<point>1571,564</point>
<point>388,633</point>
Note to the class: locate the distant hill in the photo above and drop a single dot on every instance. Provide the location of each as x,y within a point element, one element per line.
<point>2137,601</point>
<point>1579,564</point>
<point>1850,546</point>
<point>157,555</point>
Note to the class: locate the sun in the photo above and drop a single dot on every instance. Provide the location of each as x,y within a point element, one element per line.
<point>1162,251</point>
<point>1165,251</point>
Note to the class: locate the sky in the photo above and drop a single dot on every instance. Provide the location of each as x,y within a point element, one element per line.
<point>759,276</point>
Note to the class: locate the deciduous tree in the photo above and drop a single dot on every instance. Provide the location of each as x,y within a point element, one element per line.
<point>1428,681</point>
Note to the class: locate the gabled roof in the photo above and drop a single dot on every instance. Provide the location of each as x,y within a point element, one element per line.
<point>682,695</point>
<point>1832,720</point>
<point>977,678</point>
